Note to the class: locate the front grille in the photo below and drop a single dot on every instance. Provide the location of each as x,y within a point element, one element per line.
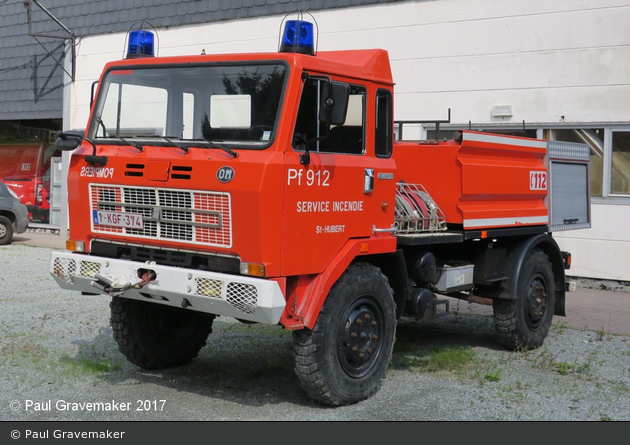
<point>89,268</point>
<point>187,216</point>
<point>67,269</point>
<point>208,287</point>
<point>243,297</point>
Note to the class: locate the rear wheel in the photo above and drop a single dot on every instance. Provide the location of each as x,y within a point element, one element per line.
<point>153,336</point>
<point>6,230</point>
<point>344,358</point>
<point>524,322</point>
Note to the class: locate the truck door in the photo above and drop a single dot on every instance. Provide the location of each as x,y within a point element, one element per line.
<point>329,186</point>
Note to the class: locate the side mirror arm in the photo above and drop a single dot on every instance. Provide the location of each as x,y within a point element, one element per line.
<point>70,140</point>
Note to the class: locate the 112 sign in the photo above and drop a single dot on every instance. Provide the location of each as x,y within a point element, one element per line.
<point>537,180</point>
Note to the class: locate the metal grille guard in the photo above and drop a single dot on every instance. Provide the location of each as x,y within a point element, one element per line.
<point>241,297</point>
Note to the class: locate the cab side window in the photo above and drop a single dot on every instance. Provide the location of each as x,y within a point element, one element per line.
<point>383,131</point>
<point>347,138</point>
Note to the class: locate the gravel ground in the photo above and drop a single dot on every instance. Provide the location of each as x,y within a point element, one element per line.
<point>60,362</point>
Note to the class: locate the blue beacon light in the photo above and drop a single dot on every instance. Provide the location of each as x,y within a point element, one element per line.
<point>140,44</point>
<point>298,37</point>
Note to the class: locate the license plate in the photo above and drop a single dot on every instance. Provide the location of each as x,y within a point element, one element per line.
<point>118,219</point>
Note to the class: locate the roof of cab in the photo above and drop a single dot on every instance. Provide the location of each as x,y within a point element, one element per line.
<point>368,64</point>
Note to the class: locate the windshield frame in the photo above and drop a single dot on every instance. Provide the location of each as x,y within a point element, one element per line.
<point>205,141</point>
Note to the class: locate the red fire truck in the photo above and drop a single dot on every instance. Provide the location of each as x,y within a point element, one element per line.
<point>270,188</point>
<point>25,169</point>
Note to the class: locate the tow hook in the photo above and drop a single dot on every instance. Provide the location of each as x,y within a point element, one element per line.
<point>116,286</point>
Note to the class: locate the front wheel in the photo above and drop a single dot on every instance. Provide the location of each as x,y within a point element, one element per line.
<point>344,358</point>
<point>6,230</point>
<point>524,322</point>
<point>153,336</point>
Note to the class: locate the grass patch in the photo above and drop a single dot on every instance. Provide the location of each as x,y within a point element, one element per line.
<point>602,334</point>
<point>561,327</point>
<point>563,368</point>
<point>566,368</point>
<point>440,359</point>
<point>450,359</point>
<point>492,376</point>
<point>93,367</point>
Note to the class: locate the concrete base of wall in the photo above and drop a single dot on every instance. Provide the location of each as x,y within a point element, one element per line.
<point>41,229</point>
<point>608,285</point>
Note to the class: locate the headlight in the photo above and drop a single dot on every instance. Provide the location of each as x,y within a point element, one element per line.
<point>13,193</point>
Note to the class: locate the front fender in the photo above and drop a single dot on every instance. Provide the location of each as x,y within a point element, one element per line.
<point>309,293</point>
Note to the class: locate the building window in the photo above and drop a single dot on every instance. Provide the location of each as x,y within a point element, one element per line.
<point>594,138</point>
<point>620,171</point>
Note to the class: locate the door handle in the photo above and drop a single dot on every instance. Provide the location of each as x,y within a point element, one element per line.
<point>368,180</point>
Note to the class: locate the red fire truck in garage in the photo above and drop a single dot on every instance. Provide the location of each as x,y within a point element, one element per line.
<point>270,188</point>
<point>25,169</point>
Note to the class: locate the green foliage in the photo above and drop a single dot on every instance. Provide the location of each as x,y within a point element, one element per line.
<point>15,131</point>
<point>563,368</point>
<point>561,327</point>
<point>492,376</point>
<point>95,367</point>
<point>440,359</point>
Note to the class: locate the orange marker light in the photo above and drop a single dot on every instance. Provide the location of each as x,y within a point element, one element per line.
<point>253,269</point>
<point>75,246</point>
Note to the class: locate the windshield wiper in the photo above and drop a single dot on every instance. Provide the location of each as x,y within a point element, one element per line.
<point>182,146</point>
<point>213,144</point>
<point>170,142</point>
<point>127,142</point>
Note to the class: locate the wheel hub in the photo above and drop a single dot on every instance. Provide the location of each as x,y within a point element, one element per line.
<point>359,339</point>
<point>536,302</point>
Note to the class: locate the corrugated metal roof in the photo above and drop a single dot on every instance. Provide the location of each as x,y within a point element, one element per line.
<point>30,76</point>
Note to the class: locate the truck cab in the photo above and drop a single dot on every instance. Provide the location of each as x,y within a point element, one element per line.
<point>235,164</point>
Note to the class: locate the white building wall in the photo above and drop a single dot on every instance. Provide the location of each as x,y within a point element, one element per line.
<point>556,62</point>
<point>603,251</point>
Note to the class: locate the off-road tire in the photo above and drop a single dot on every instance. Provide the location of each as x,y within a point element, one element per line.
<point>153,336</point>
<point>6,230</point>
<point>524,322</point>
<point>344,358</point>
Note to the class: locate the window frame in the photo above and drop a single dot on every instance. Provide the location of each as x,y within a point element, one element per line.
<point>316,145</point>
<point>389,123</point>
<point>608,166</point>
<point>198,101</point>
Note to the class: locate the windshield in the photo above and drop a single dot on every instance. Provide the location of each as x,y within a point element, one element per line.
<point>235,105</point>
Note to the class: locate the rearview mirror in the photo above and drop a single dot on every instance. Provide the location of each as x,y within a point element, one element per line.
<point>334,103</point>
<point>71,140</point>
<point>68,141</point>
